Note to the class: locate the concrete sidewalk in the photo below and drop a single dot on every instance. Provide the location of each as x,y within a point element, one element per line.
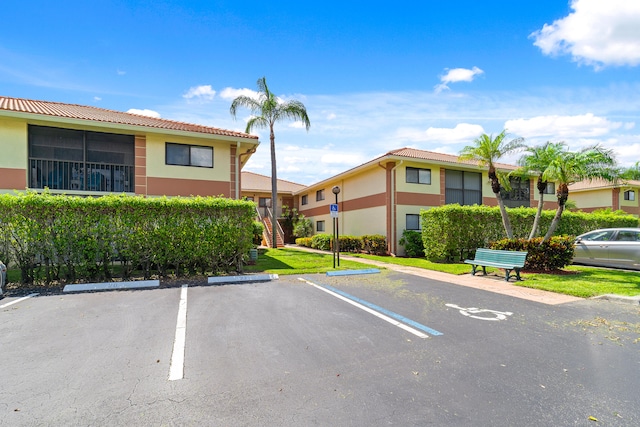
<point>487,283</point>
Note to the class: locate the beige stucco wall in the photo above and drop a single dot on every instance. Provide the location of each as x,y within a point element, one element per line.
<point>592,199</point>
<point>355,223</point>
<point>157,167</point>
<point>13,140</point>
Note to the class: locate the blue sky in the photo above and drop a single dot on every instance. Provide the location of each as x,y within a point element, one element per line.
<point>374,77</point>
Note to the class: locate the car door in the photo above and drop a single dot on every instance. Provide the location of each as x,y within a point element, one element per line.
<point>593,248</point>
<point>624,249</point>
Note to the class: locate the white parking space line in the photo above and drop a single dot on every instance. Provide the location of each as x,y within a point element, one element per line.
<point>176,370</point>
<point>18,300</point>
<point>368,310</point>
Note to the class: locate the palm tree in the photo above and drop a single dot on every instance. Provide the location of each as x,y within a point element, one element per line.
<point>486,150</point>
<point>267,109</point>
<point>631,173</point>
<point>536,162</point>
<point>569,167</point>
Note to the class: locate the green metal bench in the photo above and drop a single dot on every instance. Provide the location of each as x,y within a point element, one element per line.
<point>507,260</point>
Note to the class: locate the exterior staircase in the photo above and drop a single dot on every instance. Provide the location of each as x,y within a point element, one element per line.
<point>266,234</point>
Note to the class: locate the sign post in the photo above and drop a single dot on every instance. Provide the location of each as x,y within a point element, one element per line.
<point>334,217</point>
<point>334,214</point>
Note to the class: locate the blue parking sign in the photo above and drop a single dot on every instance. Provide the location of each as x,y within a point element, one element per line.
<point>334,210</point>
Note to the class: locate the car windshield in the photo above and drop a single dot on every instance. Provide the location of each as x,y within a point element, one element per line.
<point>598,235</point>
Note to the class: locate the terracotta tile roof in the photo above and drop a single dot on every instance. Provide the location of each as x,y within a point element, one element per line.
<point>599,184</point>
<point>438,157</point>
<point>256,182</point>
<point>95,114</point>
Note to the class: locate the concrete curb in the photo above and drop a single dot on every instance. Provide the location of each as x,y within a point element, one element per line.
<point>242,279</point>
<point>353,272</point>
<point>141,284</point>
<point>111,286</point>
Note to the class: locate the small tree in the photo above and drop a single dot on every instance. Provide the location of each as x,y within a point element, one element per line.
<point>570,167</point>
<point>536,162</point>
<point>486,150</point>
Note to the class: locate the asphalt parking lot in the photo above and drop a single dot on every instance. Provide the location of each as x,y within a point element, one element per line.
<point>361,350</point>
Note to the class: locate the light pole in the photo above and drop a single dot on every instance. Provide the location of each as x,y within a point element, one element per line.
<point>336,232</point>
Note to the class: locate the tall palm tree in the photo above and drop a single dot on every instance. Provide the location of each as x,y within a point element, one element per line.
<point>267,109</point>
<point>569,167</point>
<point>486,150</point>
<point>537,160</point>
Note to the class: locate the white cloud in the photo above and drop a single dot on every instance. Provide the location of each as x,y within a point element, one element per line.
<point>561,127</point>
<point>97,98</point>
<point>462,132</point>
<point>230,93</point>
<point>203,92</point>
<point>145,112</point>
<point>597,32</point>
<point>457,75</point>
<point>121,72</point>
<point>297,125</point>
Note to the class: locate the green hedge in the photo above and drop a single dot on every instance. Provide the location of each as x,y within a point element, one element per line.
<point>372,243</point>
<point>453,232</point>
<point>552,255</point>
<point>71,239</point>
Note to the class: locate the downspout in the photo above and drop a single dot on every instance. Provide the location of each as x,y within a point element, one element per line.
<point>393,207</point>
<point>238,162</point>
<point>238,144</point>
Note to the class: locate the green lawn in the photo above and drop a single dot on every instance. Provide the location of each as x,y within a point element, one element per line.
<point>291,261</point>
<point>586,282</point>
<point>453,268</point>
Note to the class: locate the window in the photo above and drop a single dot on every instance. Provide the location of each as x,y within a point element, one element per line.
<point>551,188</point>
<point>419,176</point>
<point>69,159</point>
<point>518,195</point>
<point>413,222</point>
<point>464,188</point>
<point>630,195</point>
<point>189,155</point>
<point>319,195</point>
<point>320,226</point>
<point>305,199</point>
<point>599,235</point>
<point>628,236</point>
<point>264,202</point>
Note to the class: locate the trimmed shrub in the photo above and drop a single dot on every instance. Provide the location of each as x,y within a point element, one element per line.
<point>321,242</point>
<point>412,242</point>
<point>555,254</point>
<point>304,241</point>
<point>349,243</point>
<point>374,244</point>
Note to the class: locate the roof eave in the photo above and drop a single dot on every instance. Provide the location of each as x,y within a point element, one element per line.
<point>127,127</point>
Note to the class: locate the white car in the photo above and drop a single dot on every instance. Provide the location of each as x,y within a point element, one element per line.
<point>609,247</point>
